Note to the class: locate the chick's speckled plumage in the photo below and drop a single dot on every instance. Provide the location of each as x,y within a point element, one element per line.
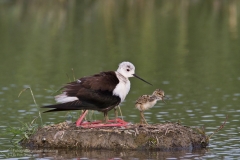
<point>148,101</point>
<point>145,102</point>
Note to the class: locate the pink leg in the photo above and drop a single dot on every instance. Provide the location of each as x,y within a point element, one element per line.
<point>96,124</point>
<point>117,120</point>
<point>120,123</point>
<point>79,121</point>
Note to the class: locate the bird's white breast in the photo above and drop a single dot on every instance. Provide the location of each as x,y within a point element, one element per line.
<point>122,87</point>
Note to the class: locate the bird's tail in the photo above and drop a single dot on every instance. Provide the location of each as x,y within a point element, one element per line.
<point>75,105</point>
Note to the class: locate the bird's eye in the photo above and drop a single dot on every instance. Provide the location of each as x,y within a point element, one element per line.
<point>128,70</point>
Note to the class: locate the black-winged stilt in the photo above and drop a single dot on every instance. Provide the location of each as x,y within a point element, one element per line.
<point>101,92</point>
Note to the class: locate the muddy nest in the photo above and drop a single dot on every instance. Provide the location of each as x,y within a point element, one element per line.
<point>167,136</point>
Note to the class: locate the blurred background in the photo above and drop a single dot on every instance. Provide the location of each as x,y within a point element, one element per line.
<point>188,48</point>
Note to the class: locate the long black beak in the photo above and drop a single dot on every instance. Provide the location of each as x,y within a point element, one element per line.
<point>141,79</point>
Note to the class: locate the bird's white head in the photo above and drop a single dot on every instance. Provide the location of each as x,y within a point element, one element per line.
<point>127,69</point>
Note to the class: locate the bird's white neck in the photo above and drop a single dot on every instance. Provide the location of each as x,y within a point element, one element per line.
<point>122,87</point>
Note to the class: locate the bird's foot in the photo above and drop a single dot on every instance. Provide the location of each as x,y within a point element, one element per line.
<point>117,120</point>
<point>110,123</point>
<point>90,123</point>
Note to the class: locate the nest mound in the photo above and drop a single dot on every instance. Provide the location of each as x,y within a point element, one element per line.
<point>167,136</point>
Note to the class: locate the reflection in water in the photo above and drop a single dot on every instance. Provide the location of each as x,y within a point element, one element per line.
<point>233,19</point>
<point>190,49</point>
<point>115,155</point>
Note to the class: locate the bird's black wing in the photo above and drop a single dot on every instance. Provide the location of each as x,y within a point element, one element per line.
<point>93,93</point>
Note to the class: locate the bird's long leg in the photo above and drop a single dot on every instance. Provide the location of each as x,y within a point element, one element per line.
<point>143,118</point>
<point>80,119</point>
<point>106,117</point>
<point>120,111</point>
<point>85,118</point>
<point>106,123</point>
<point>117,121</point>
<point>141,115</point>
<point>116,114</point>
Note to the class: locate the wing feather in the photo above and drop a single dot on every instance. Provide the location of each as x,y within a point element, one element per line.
<point>94,93</point>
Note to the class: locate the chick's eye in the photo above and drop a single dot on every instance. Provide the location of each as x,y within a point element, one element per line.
<point>128,70</point>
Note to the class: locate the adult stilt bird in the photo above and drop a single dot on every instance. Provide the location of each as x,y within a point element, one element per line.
<point>102,92</point>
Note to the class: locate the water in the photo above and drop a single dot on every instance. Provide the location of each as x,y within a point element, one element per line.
<point>190,49</point>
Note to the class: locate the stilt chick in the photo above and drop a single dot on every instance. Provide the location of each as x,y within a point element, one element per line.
<point>148,101</point>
